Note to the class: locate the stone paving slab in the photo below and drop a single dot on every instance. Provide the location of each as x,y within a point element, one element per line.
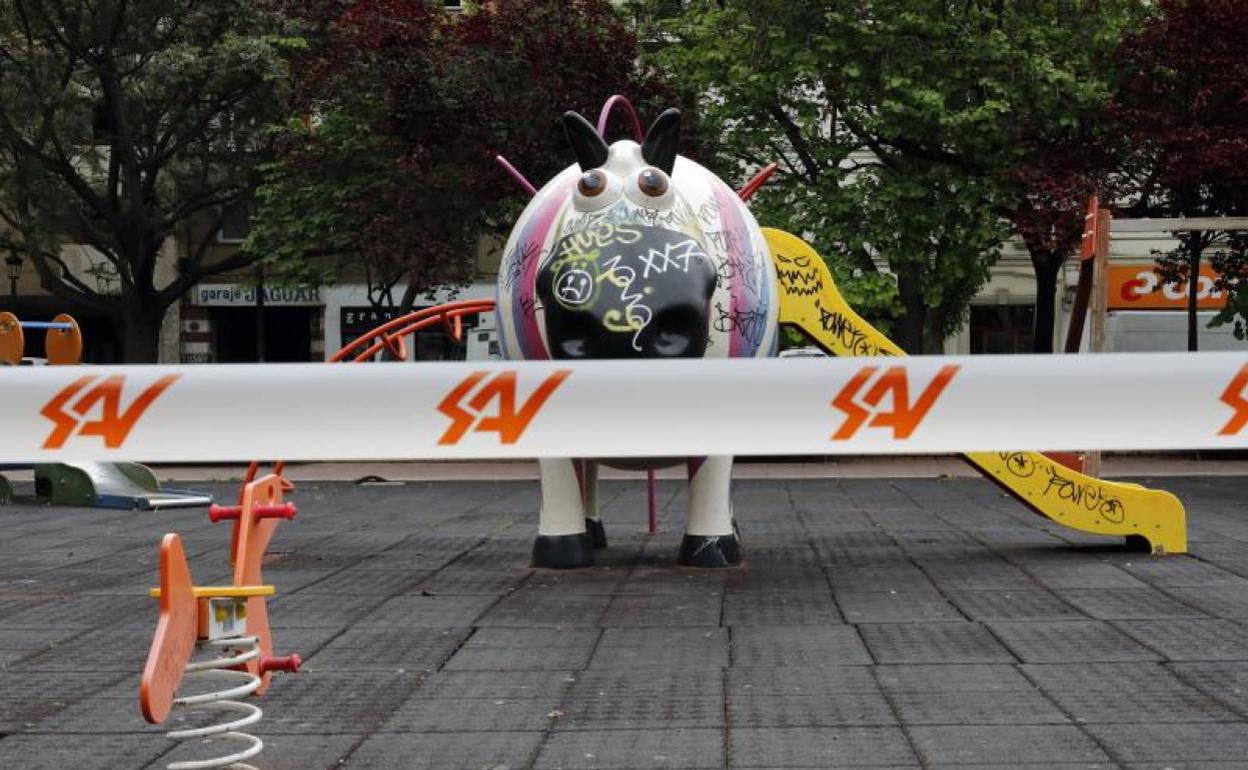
<point>1005,745</point>
<point>811,747</point>
<point>1070,640</point>
<point>876,623</point>
<point>933,643</point>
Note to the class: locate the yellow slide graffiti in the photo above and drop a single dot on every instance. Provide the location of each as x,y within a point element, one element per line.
<point>810,302</point>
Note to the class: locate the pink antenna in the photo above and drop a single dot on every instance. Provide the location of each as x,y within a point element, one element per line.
<point>628,108</point>
<point>760,179</point>
<point>516,175</point>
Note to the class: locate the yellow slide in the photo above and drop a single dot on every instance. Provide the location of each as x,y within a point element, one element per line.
<point>810,302</point>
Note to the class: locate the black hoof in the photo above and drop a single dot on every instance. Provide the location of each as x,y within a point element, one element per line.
<point>596,532</point>
<point>563,551</point>
<point>710,551</point>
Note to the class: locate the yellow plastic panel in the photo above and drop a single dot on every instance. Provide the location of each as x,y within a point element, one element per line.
<point>810,302</point>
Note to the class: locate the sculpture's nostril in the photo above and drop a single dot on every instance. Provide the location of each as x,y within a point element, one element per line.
<point>677,331</point>
<point>574,348</point>
<point>672,344</point>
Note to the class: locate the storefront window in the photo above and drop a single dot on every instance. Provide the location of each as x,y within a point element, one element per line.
<point>1002,328</point>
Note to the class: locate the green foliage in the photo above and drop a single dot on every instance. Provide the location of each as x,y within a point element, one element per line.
<point>395,179</point>
<point>1230,265</point>
<point>120,122</point>
<point>1181,108</point>
<point>898,124</point>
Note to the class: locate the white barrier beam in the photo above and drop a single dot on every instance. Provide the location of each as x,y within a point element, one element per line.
<point>624,408</point>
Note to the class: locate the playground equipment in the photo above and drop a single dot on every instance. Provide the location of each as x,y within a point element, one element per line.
<point>229,623</point>
<point>62,343</point>
<point>811,303</point>
<point>635,252</point>
<point>92,484</point>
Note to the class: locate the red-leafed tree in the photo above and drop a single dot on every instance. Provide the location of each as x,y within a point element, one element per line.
<point>1053,184</point>
<point>1183,106</point>
<point>392,173</point>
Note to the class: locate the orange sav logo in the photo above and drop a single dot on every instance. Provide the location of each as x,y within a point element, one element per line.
<point>113,424</point>
<point>1233,397</point>
<point>508,423</point>
<point>904,417</point>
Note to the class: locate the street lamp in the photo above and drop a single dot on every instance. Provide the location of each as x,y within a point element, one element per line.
<point>13,265</point>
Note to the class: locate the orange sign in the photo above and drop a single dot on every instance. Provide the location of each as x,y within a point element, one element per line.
<point>508,423</point>
<point>1233,397</point>
<point>1137,287</point>
<point>113,425</point>
<point>904,417</point>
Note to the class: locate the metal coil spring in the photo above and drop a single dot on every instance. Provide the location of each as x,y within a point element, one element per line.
<point>239,650</point>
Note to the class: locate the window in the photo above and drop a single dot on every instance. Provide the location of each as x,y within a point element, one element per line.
<point>1002,328</point>
<point>236,224</point>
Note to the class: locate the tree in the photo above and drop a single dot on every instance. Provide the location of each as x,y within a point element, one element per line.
<point>1052,185</point>
<point>121,121</point>
<point>1183,106</point>
<point>1230,265</point>
<point>948,103</point>
<point>395,176</point>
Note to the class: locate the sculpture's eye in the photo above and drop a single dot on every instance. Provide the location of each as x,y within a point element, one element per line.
<point>652,182</point>
<point>592,183</point>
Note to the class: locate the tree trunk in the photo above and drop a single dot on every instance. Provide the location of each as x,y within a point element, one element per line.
<point>1046,266</point>
<point>909,327</point>
<point>1192,243</point>
<point>140,336</point>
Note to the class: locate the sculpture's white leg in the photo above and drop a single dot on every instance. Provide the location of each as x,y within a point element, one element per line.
<point>710,539</point>
<point>562,541</point>
<point>589,494</point>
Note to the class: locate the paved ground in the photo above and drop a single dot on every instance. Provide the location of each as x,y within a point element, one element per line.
<point>889,623</point>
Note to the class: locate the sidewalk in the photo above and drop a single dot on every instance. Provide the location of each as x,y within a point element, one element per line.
<point>853,467</point>
<point>902,623</point>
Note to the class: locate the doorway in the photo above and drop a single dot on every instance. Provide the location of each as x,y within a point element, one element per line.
<point>287,334</point>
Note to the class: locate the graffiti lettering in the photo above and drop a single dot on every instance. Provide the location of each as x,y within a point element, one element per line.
<point>674,255</point>
<point>599,236</point>
<point>678,217</point>
<point>847,332</point>
<point>734,241</point>
<point>800,282</point>
<point>734,265</point>
<point>750,324</point>
<point>800,260</point>
<point>708,212</point>
<point>636,315</point>
<point>1020,464</point>
<point>1092,496</point>
<point>904,418</point>
<point>517,261</point>
<point>574,287</point>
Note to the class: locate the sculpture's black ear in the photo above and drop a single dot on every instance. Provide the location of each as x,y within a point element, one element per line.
<point>587,145</point>
<point>662,141</point>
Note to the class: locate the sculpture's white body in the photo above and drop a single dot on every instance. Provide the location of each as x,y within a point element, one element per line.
<point>742,316</point>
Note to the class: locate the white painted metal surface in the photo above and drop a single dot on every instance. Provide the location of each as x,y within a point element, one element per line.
<point>624,408</point>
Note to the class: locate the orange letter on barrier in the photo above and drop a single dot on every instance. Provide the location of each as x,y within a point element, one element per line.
<point>506,422</point>
<point>113,425</point>
<point>1233,397</point>
<point>904,418</point>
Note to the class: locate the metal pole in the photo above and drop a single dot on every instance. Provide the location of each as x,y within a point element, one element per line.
<point>1100,314</point>
<point>654,522</point>
<point>260,352</point>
